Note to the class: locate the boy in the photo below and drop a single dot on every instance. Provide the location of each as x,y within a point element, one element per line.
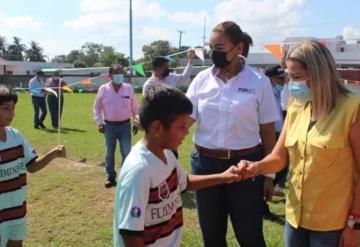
<point>16,157</point>
<point>148,205</point>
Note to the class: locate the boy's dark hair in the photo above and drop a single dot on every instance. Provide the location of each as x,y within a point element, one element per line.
<point>159,61</point>
<point>7,94</point>
<point>114,67</point>
<point>164,104</point>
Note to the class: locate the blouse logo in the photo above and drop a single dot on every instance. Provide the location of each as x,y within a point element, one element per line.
<point>247,90</point>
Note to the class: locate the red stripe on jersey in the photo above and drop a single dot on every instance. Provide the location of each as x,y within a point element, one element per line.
<point>13,184</point>
<point>171,182</point>
<point>11,154</point>
<point>13,213</point>
<point>164,229</point>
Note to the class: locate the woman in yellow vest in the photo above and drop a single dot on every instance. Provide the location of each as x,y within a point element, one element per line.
<point>321,140</point>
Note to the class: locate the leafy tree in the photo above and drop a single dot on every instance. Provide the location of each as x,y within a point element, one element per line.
<point>3,50</point>
<point>111,56</point>
<point>60,59</point>
<point>75,55</point>
<point>80,64</point>
<point>92,52</point>
<point>35,53</point>
<point>156,48</point>
<point>16,50</point>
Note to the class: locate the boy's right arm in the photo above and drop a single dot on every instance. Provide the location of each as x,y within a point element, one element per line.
<point>197,182</point>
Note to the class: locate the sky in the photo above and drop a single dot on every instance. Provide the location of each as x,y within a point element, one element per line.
<point>62,26</point>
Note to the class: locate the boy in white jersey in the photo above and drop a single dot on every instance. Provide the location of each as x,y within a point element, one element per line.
<point>148,205</point>
<point>16,157</point>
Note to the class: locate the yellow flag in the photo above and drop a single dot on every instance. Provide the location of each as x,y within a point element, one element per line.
<point>67,88</point>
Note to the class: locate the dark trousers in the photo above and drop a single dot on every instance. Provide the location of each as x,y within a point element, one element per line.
<point>53,104</point>
<point>243,201</point>
<point>39,104</point>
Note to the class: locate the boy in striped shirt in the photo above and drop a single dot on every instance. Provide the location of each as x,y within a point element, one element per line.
<point>148,205</point>
<point>16,158</point>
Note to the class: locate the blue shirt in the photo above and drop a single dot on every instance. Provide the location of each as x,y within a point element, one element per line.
<point>280,122</point>
<point>36,86</point>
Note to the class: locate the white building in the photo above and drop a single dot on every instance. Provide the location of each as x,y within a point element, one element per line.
<point>346,53</point>
<point>27,68</point>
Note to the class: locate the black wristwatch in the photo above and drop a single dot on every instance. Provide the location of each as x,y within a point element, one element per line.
<point>353,224</point>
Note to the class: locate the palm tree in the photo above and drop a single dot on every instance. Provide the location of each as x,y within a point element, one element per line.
<point>16,50</point>
<point>3,50</point>
<point>35,53</point>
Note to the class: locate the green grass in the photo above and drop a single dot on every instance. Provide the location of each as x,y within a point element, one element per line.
<point>68,205</point>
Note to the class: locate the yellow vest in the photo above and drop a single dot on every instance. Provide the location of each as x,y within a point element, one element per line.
<point>322,169</point>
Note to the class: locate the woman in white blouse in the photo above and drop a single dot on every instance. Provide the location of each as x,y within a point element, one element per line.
<point>234,108</point>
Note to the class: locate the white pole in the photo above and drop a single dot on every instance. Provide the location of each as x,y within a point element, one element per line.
<point>59,108</point>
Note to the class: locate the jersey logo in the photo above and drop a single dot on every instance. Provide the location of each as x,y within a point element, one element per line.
<point>135,212</point>
<point>164,191</point>
<point>247,90</point>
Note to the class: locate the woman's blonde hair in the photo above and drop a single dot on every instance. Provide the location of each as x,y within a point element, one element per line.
<point>321,68</point>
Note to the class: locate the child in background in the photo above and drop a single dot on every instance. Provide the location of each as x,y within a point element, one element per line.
<point>16,158</point>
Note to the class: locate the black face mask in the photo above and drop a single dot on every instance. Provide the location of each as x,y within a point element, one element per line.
<point>219,59</point>
<point>165,73</point>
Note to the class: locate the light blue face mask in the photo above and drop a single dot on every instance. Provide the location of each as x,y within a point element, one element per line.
<point>278,87</point>
<point>300,91</point>
<point>118,78</point>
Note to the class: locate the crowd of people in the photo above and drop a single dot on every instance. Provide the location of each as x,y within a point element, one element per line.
<point>295,122</point>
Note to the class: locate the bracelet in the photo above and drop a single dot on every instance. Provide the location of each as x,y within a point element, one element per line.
<point>258,165</point>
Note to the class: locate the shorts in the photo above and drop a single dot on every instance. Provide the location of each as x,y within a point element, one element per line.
<point>12,231</point>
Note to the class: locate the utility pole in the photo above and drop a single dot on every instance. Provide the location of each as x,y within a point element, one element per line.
<point>204,40</point>
<point>131,41</point>
<point>180,35</point>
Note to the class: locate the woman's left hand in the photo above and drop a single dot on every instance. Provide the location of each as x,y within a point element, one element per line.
<point>350,238</point>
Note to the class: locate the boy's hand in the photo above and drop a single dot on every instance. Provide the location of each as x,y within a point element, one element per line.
<point>248,169</point>
<point>232,174</point>
<point>59,151</point>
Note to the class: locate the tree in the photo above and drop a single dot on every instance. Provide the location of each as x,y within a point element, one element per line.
<point>75,55</point>
<point>92,52</point>
<point>157,48</point>
<point>16,50</point>
<point>3,50</point>
<point>35,53</point>
<point>111,56</point>
<point>60,59</point>
<point>80,64</point>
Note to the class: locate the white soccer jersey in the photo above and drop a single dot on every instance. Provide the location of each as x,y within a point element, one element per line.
<point>148,198</point>
<point>15,155</point>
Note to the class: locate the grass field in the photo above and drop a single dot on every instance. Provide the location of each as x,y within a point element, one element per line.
<point>67,202</point>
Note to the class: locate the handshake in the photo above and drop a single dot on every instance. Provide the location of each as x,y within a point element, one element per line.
<point>243,170</point>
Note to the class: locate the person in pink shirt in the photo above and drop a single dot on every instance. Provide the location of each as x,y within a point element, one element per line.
<point>114,105</point>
